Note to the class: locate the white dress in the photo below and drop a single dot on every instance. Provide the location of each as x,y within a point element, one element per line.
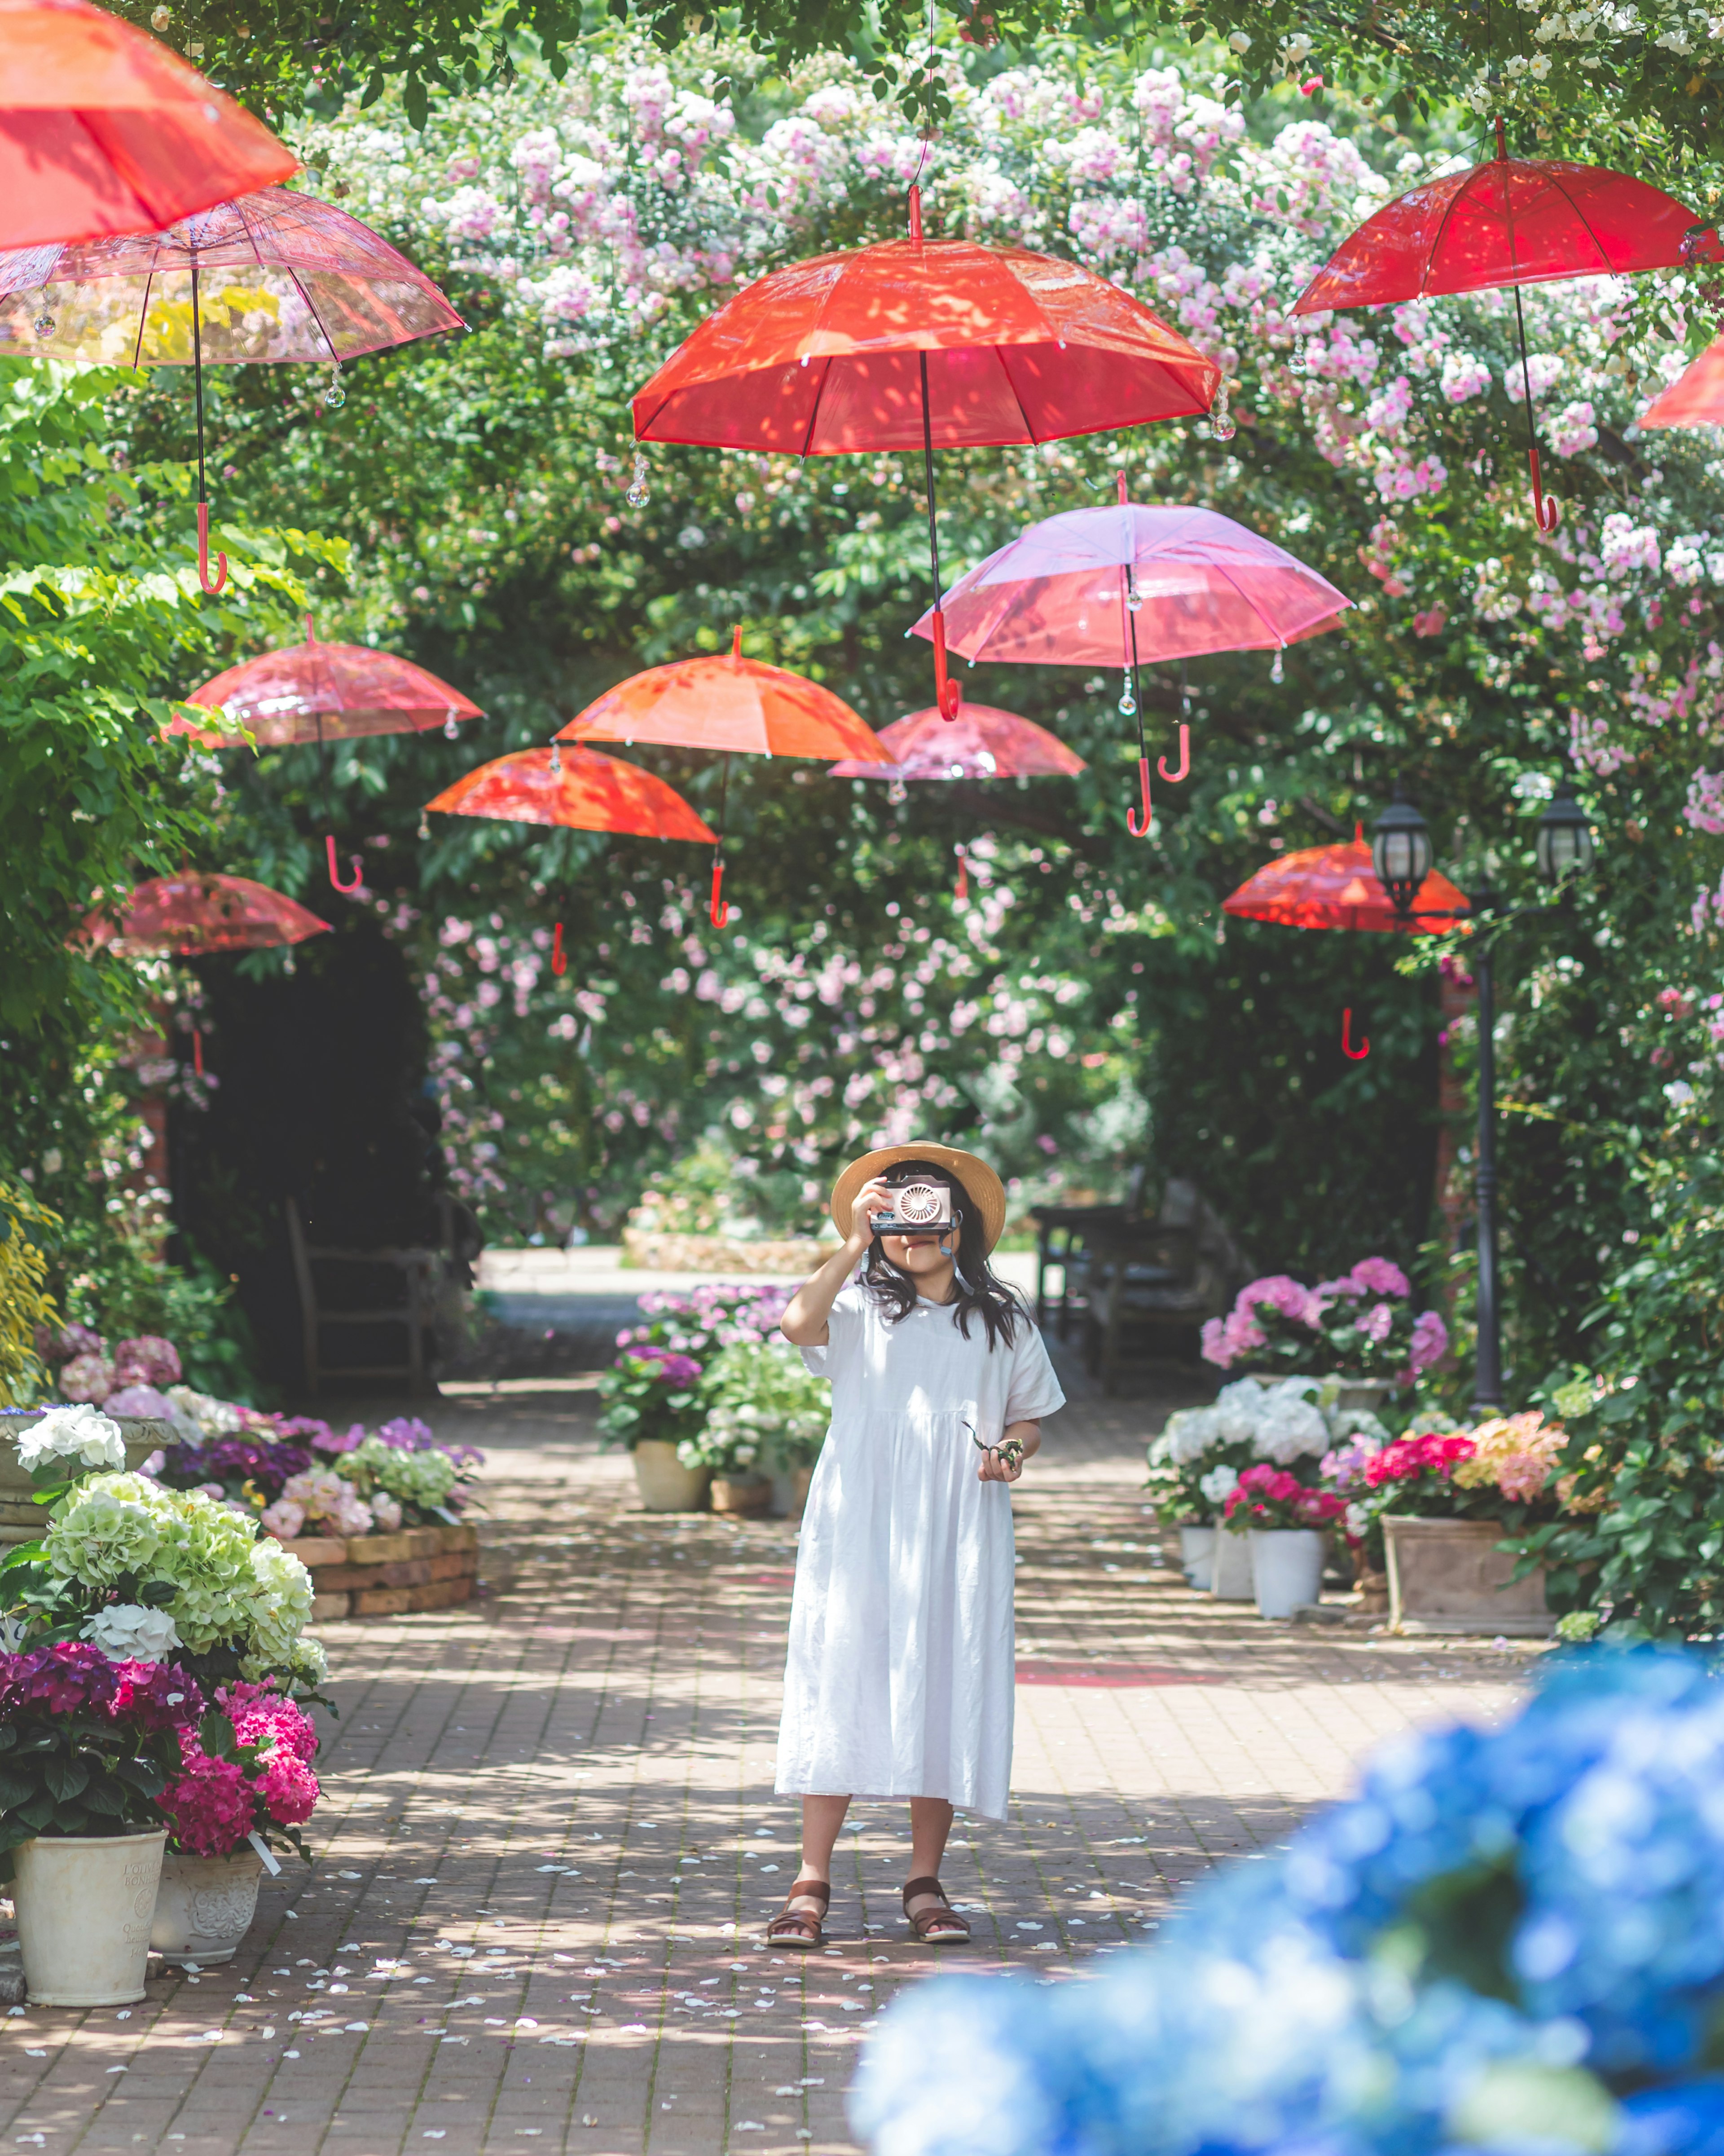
<point>899,1681</point>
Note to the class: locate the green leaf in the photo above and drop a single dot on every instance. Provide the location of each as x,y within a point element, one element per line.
<point>66,1778</point>
<point>107,1797</point>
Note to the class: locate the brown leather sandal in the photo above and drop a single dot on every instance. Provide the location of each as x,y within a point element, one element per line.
<point>935,1927</point>
<point>800,1928</point>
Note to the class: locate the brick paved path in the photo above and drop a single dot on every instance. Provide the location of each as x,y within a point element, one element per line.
<point>549,1834</point>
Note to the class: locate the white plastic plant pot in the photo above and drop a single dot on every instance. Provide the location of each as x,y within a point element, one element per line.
<point>85,1909</point>
<point>1230,1571</point>
<point>1286,1569</point>
<point>205,1905</point>
<point>1196,1554</point>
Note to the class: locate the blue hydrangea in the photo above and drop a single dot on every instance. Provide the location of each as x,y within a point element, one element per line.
<point>1505,1932</point>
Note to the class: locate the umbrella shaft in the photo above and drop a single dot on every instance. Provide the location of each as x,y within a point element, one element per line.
<point>928,476</point>
<point>1526,374</point>
<point>198,377</point>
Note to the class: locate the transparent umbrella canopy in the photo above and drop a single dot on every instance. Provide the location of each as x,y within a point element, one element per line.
<point>271,278</point>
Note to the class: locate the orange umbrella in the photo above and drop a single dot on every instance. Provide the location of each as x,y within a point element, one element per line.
<point>576,788</point>
<point>917,344</point>
<point>1337,887</point>
<point>104,129</point>
<point>732,705</point>
<point>1695,398</point>
<point>981,743</point>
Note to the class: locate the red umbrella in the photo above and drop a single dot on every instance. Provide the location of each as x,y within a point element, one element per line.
<point>1695,398</point>
<point>918,343</point>
<point>1337,887</point>
<point>294,279</point>
<point>103,130</point>
<point>577,787</point>
<point>733,705</point>
<point>325,692</point>
<point>1510,221</point>
<point>193,914</point>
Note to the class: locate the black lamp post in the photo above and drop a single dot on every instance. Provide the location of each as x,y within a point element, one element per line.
<point>1401,854</point>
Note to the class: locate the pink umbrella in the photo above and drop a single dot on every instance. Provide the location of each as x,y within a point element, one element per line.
<point>270,276</point>
<point>981,743</point>
<point>1133,585</point>
<point>324,692</point>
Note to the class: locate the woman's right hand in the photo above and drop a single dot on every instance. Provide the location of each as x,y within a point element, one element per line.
<point>874,1197</point>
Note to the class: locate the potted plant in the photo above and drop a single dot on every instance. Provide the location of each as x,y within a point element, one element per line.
<point>763,1402</point>
<point>1360,1331</point>
<point>1180,1456</point>
<point>87,1745</point>
<point>1286,1520</point>
<point>245,1782</point>
<point>1251,1421</point>
<point>652,1403</point>
<point>1444,1501</point>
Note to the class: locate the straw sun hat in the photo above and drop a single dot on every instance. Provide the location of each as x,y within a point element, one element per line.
<point>987,1193</point>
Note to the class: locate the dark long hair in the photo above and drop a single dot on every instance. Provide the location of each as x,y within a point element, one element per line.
<point>979,1293</point>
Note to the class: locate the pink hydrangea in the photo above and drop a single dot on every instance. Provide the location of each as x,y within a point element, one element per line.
<point>284,1519</point>
<point>87,1377</point>
<point>209,1809</point>
<point>289,1789</point>
<point>70,1340</point>
<point>1430,1340</point>
<point>262,1715</point>
<point>139,1400</point>
<point>1379,1277</point>
<point>146,1360</point>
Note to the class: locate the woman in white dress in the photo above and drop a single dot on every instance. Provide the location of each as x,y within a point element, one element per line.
<point>899,1681</point>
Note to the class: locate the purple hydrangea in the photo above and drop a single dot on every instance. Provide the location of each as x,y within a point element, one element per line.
<point>408,1434</point>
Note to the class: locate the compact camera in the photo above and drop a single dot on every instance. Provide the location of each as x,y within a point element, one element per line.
<point>917,1207</point>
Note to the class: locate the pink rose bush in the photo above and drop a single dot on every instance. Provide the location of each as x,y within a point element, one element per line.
<point>1360,1326</point>
<point>245,1770</point>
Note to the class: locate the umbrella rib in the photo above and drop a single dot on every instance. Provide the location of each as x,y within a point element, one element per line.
<point>1605,268</point>
<point>815,410</point>
<point>999,353</point>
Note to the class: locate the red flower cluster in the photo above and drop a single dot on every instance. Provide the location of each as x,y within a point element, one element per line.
<point>1273,1497</point>
<point>1408,1458</point>
<point>216,1803</point>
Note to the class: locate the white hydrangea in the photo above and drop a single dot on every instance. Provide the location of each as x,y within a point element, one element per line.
<point>1237,1410</point>
<point>198,1417</point>
<point>128,1632</point>
<point>1291,1425</point>
<point>1186,1435</point>
<point>82,1434</point>
<point>1219,1485</point>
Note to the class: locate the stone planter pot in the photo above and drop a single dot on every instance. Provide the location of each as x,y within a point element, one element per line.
<point>1449,1576</point>
<point>204,1906</point>
<point>1286,1569</point>
<point>1196,1554</point>
<point>23,1522</point>
<point>665,1485</point>
<point>790,1492</point>
<point>1230,1568</point>
<point>747,1497</point>
<point>83,1915</point>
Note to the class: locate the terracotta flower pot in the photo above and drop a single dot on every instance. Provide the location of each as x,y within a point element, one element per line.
<point>665,1485</point>
<point>1449,1576</point>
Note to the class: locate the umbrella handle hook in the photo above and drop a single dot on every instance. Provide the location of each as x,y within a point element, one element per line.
<point>1353,1055</point>
<point>718,909</point>
<point>197,1050</point>
<point>1140,830</point>
<point>961,891</point>
<point>1547,510</point>
<point>1173,777</point>
<point>203,555</point>
<point>329,850</point>
<point>559,961</point>
<point>948,696</point>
